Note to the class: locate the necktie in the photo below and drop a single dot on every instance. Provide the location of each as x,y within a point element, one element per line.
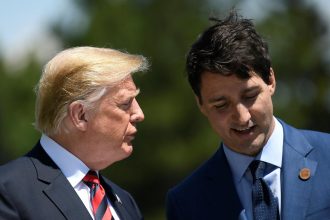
<point>265,205</point>
<point>101,209</point>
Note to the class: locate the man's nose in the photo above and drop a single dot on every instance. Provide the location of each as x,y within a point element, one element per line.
<point>137,113</point>
<point>241,114</point>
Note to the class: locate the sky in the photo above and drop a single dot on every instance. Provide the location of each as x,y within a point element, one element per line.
<point>23,24</point>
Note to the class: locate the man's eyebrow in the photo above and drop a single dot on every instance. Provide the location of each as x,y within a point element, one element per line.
<point>253,88</point>
<point>216,99</point>
<point>133,94</point>
<point>222,98</point>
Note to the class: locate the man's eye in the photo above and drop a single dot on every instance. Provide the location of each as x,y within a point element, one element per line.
<point>252,96</point>
<point>220,106</point>
<point>126,105</point>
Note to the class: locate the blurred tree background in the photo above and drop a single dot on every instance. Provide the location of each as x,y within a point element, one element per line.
<point>175,138</point>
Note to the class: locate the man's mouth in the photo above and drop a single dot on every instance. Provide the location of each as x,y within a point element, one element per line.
<point>129,138</point>
<point>244,130</point>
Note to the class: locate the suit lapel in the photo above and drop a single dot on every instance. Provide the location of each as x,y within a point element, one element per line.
<point>57,188</point>
<point>221,194</point>
<point>66,199</point>
<point>295,191</point>
<point>121,211</point>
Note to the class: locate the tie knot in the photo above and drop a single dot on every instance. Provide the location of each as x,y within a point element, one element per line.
<point>91,177</point>
<point>257,168</point>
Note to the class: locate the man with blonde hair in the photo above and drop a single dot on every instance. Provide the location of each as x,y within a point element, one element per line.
<point>86,110</point>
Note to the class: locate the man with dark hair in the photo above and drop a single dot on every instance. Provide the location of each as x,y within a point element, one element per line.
<point>264,168</point>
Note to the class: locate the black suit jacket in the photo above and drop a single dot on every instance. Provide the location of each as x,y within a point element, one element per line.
<point>209,192</point>
<point>34,188</point>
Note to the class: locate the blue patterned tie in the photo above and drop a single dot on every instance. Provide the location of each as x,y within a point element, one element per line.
<point>265,205</point>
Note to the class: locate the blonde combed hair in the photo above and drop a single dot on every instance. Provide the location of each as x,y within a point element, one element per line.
<point>79,73</point>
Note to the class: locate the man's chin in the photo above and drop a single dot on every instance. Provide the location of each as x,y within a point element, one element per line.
<point>247,148</point>
<point>128,148</point>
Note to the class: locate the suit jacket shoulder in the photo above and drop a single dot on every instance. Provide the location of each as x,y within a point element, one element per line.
<point>33,187</point>
<point>305,198</point>
<point>208,193</point>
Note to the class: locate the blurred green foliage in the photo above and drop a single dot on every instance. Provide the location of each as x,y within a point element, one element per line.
<point>175,138</point>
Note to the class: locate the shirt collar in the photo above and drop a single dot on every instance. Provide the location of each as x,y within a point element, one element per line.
<point>271,153</point>
<point>72,168</point>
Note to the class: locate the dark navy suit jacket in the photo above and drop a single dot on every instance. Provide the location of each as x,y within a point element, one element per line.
<point>34,188</point>
<point>209,193</point>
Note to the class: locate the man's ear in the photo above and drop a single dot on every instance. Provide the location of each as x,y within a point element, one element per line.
<point>272,81</point>
<point>77,115</point>
<point>200,104</point>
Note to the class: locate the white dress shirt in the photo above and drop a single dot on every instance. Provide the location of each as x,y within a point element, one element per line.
<point>239,163</point>
<point>73,169</point>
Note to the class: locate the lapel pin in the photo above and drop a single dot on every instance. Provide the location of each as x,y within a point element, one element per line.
<point>118,199</point>
<point>305,173</point>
